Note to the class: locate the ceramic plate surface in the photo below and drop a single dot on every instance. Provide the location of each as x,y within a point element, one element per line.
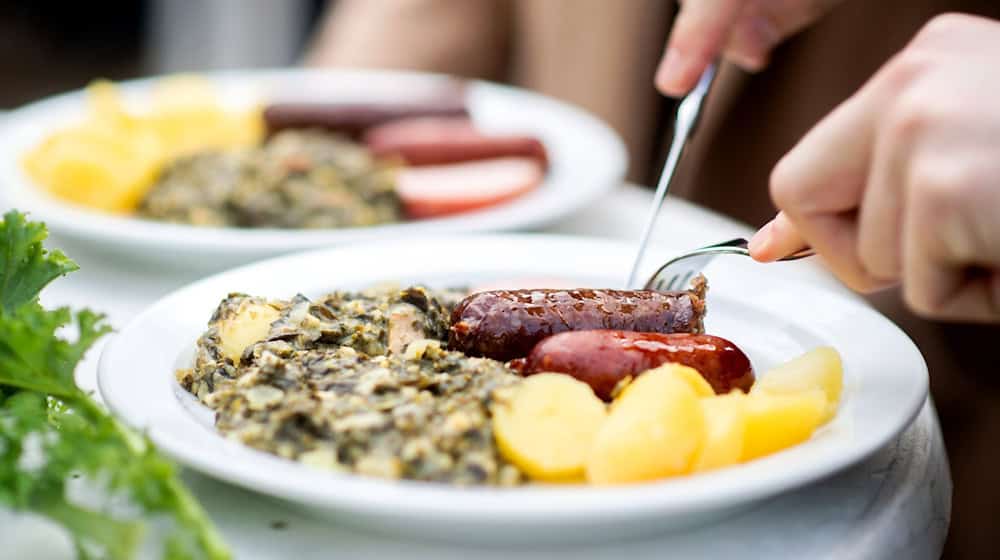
<point>587,160</point>
<point>771,318</point>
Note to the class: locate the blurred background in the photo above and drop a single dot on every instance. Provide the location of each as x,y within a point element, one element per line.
<point>598,54</point>
<point>52,46</point>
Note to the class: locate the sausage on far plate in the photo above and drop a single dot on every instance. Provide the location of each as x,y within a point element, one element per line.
<point>439,190</point>
<point>439,140</point>
<point>353,119</point>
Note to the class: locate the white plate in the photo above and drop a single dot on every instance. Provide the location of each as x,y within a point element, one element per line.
<point>587,160</point>
<point>773,320</point>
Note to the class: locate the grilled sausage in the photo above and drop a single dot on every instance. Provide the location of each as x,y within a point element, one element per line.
<point>506,324</point>
<point>441,140</point>
<point>352,119</point>
<point>603,358</point>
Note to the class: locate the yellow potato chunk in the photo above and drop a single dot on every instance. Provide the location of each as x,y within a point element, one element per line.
<point>817,369</point>
<point>546,424</point>
<point>113,155</point>
<point>688,375</point>
<point>653,431</point>
<point>251,324</point>
<point>725,427</point>
<point>94,167</point>
<point>776,422</point>
<point>694,379</point>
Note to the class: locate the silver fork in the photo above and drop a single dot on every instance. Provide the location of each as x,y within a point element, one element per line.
<point>677,273</point>
<point>686,120</point>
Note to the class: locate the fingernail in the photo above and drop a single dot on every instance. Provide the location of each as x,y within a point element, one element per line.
<point>670,74</point>
<point>760,241</point>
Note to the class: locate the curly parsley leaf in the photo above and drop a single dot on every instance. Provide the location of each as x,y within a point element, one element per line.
<point>25,266</point>
<point>32,357</point>
<point>52,434</point>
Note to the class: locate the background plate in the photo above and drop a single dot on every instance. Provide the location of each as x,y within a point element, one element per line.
<point>587,160</point>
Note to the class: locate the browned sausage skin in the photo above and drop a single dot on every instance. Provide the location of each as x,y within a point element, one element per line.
<point>603,358</point>
<point>506,324</point>
<point>443,140</point>
<point>353,119</point>
<point>456,150</point>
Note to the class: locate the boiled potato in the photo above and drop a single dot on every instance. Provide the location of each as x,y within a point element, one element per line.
<point>693,378</point>
<point>111,158</point>
<point>778,421</point>
<point>250,324</point>
<point>817,369</point>
<point>546,424</point>
<point>95,166</point>
<point>725,427</point>
<point>654,430</point>
<point>688,375</point>
<point>105,104</point>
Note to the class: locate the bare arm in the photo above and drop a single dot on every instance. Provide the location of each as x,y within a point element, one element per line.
<point>462,37</point>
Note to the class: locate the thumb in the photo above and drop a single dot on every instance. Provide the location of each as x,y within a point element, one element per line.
<point>778,238</point>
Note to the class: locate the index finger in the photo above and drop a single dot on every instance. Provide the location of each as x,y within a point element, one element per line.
<point>699,34</point>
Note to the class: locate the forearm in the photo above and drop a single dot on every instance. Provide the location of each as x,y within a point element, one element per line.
<point>462,37</point>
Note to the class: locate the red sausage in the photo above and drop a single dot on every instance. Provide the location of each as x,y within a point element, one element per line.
<point>602,358</point>
<point>353,119</point>
<point>507,324</point>
<point>441,140</point>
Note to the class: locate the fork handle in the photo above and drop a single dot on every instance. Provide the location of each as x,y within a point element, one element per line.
<point>743,244</point>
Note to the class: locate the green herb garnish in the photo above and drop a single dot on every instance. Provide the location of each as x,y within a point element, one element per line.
<point>54,436</point>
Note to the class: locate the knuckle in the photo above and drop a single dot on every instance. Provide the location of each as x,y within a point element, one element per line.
<point>905,67</point>
<point>911,113</point>
<point>941,184</point>
<point>943,196</point>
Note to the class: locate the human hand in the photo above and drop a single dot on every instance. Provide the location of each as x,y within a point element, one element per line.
<point>901,183</point>
<point>742,31</point>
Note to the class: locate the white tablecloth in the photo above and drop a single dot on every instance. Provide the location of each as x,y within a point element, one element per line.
<point>895,504</point>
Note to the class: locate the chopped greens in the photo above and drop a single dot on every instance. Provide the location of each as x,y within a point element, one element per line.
<point>52,434</point>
